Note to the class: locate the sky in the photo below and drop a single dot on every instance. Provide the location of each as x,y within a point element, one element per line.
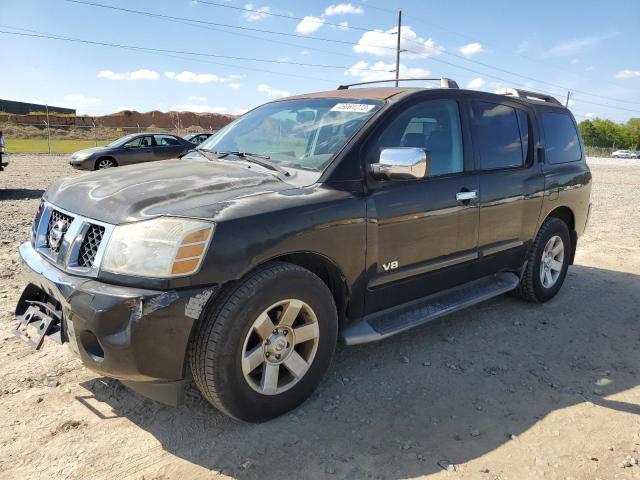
<point>229,56</point>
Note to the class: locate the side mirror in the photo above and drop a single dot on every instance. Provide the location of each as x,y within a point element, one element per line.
<point>402,164</point>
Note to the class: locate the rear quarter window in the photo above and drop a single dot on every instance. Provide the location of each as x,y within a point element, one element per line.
<point>562,143</point>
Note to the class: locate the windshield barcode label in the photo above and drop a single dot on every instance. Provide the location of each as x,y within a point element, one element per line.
<point>352,107</point>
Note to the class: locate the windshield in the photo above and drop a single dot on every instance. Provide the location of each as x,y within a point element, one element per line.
<point>305,133</point>
<point>121,140</point>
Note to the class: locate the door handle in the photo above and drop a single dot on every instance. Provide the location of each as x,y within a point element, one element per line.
<point>466,196</point>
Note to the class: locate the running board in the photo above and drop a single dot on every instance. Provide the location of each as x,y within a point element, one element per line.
<point>394,320</point>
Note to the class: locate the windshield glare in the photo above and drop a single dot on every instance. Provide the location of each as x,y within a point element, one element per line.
<point>305,133</point>
<point>121,140</point>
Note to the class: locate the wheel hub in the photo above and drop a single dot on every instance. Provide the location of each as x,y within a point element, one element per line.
<point>278,346</point>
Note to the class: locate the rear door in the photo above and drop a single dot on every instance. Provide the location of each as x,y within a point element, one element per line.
<point>421,237</point>
<point>167,146</point>
<point>511,183</point>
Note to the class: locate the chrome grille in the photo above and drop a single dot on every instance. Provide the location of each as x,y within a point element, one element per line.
<point>56,216</point>
<point>89,246</point>
<point>82,247</point>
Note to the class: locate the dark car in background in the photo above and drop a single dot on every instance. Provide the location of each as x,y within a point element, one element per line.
<point>198,137</point>
<point>134,148</point>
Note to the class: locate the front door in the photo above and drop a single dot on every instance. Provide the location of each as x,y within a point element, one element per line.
<point>422,234</point>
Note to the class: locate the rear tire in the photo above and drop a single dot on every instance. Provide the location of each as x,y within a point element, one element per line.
<point>547,262</point>
<point>105,162</point>
<point>280,310</point>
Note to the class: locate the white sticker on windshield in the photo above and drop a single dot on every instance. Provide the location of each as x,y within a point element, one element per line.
<point>352,107</point>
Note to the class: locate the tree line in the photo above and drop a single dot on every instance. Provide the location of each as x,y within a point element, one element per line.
<point>608,134</point>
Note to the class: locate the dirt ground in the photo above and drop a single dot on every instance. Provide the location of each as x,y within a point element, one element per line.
<point>505,390</point>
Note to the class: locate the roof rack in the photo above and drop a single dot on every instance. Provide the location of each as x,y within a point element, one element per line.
<point>527,95</point>
<point>444,82</point>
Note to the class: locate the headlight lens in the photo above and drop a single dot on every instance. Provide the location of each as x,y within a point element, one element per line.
<point>161,248</point>
<point>81,155</point>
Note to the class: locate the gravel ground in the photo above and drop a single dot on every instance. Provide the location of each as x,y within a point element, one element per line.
<point>504,390</point>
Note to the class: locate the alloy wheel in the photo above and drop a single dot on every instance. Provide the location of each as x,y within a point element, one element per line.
<point>280,347</point>
<point>552,262</point>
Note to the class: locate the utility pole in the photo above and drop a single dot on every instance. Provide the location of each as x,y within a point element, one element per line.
<point>48,130</point>
<point>566,103</point>
<point>398,47</point>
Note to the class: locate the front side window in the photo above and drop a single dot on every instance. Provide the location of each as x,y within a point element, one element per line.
<point>498,136</point>
<point>561,138</point>
<point>305,133</point>
<point>432,125</point>
<point>135,143</point>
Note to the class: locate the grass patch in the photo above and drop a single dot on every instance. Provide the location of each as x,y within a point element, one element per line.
<point>22,145</point>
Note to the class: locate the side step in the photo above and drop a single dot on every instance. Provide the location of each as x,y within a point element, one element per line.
<point>394,320</point>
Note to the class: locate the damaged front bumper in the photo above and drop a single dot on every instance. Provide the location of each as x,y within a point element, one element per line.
<point>135,335</point>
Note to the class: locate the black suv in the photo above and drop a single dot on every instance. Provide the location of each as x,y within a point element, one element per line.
<point>359,213</point>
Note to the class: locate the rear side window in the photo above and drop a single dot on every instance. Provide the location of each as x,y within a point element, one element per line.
<point>498,136</point>
<point>166,141</point>
<point>561,138</point>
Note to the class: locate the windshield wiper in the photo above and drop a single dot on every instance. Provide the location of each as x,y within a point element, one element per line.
<point>258,159</point>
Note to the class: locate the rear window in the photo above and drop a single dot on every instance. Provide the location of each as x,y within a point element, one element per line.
<point>561,138</point>
<point>498,136</point>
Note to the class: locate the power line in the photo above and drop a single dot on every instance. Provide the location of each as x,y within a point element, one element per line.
<point>165,53</point>
<point>469,37</point>
<point>289,17</point>
<point>192,21</point>
<point>226,25</point>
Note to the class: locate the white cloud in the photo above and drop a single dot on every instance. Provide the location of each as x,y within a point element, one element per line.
<point>589,115</point>
<point>343,9</point>
<point>628,74</point>
<point>305,52</point>
<point>573,46</point>
<point>383,71</point>
<point>192,77</point>
<point>309,24</point>
<point>574,61</point>
<point>257,13</point>
<point>343,25</point>
<point>235,86</point>
<point>477,83</point>
<point>79,100</point>
<point>195,98</point>
<point>471,49</point>
<point>272,92</point>
<point>381,44</point>
<point>142,74</point>
<point>200,108</point>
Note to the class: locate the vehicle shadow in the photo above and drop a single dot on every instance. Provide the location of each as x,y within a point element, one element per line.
<point>20,193</point>
<point>452,391</point>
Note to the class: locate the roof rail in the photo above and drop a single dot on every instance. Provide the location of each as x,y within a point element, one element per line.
<point>444,82</point>
<point>527,95</point>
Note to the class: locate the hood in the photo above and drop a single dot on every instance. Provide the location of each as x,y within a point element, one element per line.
<point>89,150</point>
<point>186,187</point>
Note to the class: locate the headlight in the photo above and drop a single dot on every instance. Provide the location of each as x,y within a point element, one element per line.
<point>81,155</point>
<point>160,248</point>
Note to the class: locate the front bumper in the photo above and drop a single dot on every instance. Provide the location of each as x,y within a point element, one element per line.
<point>84,164</point>
<point>135,335</point>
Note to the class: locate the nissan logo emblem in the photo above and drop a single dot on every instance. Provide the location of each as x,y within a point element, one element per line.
<point>56,233</point>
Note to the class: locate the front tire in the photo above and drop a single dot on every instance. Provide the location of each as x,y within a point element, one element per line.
<point>264,346</point>
<point>105,162</point>
<point>547,262</point>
